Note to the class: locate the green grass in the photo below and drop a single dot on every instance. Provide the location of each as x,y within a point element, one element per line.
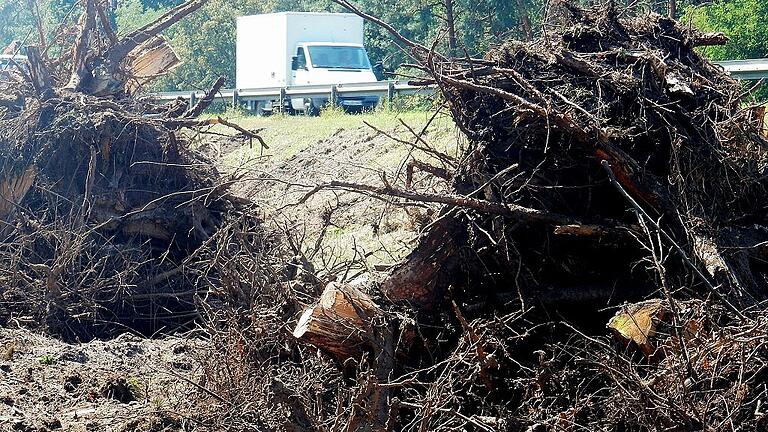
<point>288,135</point>
<point>46,360</point>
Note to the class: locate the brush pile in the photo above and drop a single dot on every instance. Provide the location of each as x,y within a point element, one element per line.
<point>106,211</point>
<point>608,163</point>
<point>576,134</point>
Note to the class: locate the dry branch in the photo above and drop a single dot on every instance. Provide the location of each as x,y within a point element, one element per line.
<point>206,101</point>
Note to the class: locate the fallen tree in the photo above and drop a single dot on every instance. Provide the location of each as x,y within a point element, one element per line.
<point>107,210</point>
<point>607,162</point>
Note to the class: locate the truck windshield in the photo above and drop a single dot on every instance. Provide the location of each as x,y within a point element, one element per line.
<point>338,57</point>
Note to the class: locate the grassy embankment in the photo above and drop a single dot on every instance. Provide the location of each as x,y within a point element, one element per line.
<point>313,150</point>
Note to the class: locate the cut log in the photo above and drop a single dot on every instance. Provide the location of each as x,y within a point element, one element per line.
<point>150,60</point>
<point>339,323</point>
<point>637,323</point>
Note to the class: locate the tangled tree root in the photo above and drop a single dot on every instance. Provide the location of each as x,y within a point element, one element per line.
<point>108,214</point>
<point>608,162</point>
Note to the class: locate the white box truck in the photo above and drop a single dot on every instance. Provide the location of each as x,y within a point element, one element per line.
<point>303,48</point>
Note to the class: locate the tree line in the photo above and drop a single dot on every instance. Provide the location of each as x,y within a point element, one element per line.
<point>205,41</point>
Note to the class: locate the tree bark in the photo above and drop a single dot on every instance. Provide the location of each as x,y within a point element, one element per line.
<point>340,323</point>
<point>450,21</point>
<point>41,77</point>
<point>81,50</point>
<point>419,279</point>
<point>525,20</point>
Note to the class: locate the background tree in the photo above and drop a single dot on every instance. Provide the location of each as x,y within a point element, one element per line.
<point>745,22</point>
<point>15,22</point>
<point>206,40</point>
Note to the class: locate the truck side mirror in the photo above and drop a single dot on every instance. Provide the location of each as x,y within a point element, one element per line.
<point>378,70</point>
<point>294,63</point>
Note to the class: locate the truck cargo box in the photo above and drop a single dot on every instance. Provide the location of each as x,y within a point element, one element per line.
<point>266,43</point>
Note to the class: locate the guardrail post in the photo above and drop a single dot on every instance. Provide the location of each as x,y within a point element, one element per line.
<point>334,96</point>
<point>390,94</point>
<point>235,99</point>
<point>282,100</point>
<point>192,99</point>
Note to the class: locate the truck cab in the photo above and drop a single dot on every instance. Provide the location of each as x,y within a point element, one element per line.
<point>318,63</point>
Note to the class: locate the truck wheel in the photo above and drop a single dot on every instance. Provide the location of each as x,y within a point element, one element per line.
<point>288,108</point>
<point>310,109</point>
<point>263,109</point>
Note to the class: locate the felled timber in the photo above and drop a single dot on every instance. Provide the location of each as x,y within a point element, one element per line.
<point>148,61</point>
<point>340,323</point>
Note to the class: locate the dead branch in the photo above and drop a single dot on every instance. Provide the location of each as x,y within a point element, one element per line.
<point>129,42</point>
<point>203,103</point>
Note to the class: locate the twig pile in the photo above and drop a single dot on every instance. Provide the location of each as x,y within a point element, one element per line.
<point>608,162</point>
<point>108,214</point>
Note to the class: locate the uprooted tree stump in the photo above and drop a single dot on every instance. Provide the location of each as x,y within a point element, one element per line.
<point>340,323</point>
<point>107,211</point>
<point>585,145</point>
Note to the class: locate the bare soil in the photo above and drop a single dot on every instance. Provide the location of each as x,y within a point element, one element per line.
<point>125,384</point>
<point>132,383</point>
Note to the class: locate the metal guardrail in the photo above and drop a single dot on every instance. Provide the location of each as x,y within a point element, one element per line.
<point>751,69</point>
<point>739,69</point>
<point>388,89</point>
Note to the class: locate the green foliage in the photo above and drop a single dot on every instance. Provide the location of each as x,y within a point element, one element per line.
<point>205,40</point>
<point>330,111</point>
<point>15,22</point>
<point>132,14</point>
<point>745,22</point>
<point>478,24</point>
<point>46,360</point>
<point>416,102</point>
<point>137,387</point>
